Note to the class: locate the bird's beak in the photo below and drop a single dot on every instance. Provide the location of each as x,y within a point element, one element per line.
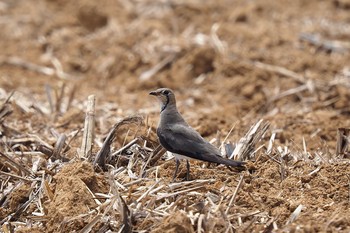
<point>153,93</point>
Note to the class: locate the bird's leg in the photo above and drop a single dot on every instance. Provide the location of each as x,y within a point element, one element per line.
<point>188,170</point>
<point>176,168</point>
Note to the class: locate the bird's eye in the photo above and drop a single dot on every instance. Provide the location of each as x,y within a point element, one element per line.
<point>166,92</point>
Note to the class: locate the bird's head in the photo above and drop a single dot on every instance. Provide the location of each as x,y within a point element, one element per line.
<point>165,96</point>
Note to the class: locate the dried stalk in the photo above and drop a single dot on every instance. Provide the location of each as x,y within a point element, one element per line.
<point>57,151</point>
<point>103,155</point>
<point>5,108</point>
<point>71,97</point>
<point>152,158</point>
<point>332,45</point>
<point>16,61</point>
<point>151,72</point>
<point>89,127</point>
<point>343,140</point>
<point>295,214</point>
<point>234,194</point>
<point>15,164</point>
<point>91,224</point>
<point>59,98</point>
<point>48,90</point>
<point>15,176</point>
<point>280,70</point>
<point>245,146</point>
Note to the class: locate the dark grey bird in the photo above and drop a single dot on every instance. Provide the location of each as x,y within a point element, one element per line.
<point>176,136</point>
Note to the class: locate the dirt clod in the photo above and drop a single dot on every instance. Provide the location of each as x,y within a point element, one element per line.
<point>177,222</point>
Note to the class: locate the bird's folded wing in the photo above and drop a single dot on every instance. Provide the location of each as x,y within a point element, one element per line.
<point>186,141</point>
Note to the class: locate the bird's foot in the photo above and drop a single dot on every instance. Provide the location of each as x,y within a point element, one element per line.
<point>186,178</point>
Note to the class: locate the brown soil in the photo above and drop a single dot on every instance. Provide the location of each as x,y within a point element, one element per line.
<point>230,63</point>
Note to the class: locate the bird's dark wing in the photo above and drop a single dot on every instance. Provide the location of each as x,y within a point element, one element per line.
<point>186,141</point>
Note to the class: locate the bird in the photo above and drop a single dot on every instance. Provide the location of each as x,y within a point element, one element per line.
<point>179,138</point>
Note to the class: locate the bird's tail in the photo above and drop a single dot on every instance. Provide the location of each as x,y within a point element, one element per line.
<point>230,162</point>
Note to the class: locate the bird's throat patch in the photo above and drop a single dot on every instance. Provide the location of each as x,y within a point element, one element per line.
<point>166,103</point>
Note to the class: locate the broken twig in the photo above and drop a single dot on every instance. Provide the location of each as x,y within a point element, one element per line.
<point>89,127</point>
